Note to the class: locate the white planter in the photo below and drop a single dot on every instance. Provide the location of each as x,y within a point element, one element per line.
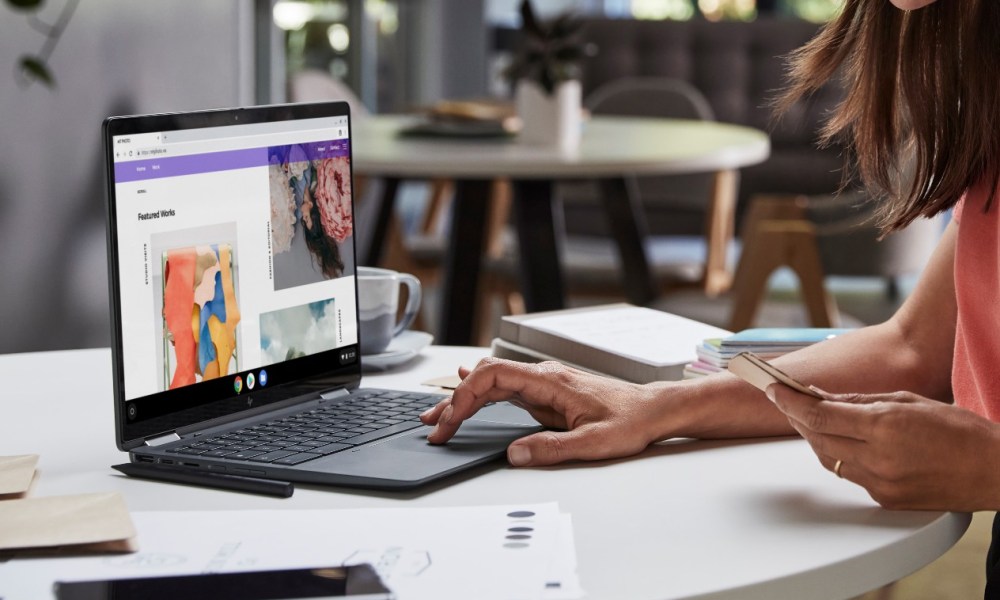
<point>551,121</point>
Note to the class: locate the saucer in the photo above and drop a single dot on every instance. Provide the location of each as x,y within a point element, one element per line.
<point>402,348</point>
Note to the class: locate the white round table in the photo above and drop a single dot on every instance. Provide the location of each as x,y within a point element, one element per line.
<point>739,520</point>
<point>611,149</point>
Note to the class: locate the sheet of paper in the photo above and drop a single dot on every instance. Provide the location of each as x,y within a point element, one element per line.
<point>59,521</point>
<point>562,582</point>
<point>440,553</point>
<point>638,333</point>
<point>16,473</point>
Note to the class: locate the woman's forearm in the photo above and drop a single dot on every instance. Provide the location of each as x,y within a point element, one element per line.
<point>879,358</point>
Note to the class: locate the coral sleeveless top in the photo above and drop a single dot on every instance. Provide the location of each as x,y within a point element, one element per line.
<point>975,375</point>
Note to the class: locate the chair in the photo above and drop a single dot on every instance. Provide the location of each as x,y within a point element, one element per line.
<point>817,236</point>
<point>675,208</point>
<point>694,206</point>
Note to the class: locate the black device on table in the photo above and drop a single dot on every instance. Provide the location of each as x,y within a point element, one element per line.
<point>359,582</point>
<point>235,321</point>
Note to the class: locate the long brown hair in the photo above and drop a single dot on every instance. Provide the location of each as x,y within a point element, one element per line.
<point>922,104</point>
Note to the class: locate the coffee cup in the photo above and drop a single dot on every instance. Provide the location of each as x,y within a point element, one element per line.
<point>378,305</point>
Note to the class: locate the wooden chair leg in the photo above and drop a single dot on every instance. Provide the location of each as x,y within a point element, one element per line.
<point>492,286</point>
<point>803,258</point>
<point>441,191</point>
<point>719,224</point>
<point>773,244</point>
<point>760,257</point>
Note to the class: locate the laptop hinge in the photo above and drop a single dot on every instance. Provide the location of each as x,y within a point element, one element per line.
<point>162,439</point>
<point>331,394</point>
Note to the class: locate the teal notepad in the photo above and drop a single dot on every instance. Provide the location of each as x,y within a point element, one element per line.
<point>781,336</point>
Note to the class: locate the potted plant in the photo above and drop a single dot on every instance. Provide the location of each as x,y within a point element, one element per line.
<point>545,72</point>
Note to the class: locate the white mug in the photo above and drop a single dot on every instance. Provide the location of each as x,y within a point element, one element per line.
<point>378,301</point>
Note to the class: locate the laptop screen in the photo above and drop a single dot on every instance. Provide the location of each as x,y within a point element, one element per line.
<point>231,248</point>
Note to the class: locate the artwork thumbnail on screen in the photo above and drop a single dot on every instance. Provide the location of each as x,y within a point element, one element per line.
<point>311,214</point>
<point>200,313</point>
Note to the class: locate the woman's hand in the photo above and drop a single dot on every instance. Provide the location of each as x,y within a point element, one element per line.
<point>600,417</point>
<point>907,451</point>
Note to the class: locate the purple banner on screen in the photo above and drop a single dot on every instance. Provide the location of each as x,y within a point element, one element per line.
<point>309,151</point>
<point>175,166</point>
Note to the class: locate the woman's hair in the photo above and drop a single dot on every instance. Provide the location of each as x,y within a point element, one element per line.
<point>922,100</point>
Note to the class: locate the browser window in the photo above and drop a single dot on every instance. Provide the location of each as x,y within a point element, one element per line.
<point>235,252</point>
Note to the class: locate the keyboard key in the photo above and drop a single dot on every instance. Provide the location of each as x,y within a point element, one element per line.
<point>219,453</point>
<point>268,448</point>
<point>298,448</point>
<point>332,430</point>
<point>271,456</point>
<point>244,454</point>
<point>296,458</point>
<point>381,433</point>
<point>331,448</point>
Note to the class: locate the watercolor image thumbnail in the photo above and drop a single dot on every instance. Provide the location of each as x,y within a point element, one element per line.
<point>298,331</point>
<point>312,220</point>
<point>200,314</point>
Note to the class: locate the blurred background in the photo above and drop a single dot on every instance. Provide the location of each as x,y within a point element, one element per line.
<point>65,65</point>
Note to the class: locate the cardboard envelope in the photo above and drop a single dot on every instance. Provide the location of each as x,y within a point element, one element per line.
<point>67,524</point>
<point>448,382</point>
<point>16,474</point>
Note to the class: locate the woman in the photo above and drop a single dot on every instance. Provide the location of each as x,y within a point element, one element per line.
<point>911,407</point>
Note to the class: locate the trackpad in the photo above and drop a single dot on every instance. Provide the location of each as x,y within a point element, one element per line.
<point>473,438</point>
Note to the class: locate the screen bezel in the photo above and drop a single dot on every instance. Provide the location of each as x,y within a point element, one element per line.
<point>319,372</point>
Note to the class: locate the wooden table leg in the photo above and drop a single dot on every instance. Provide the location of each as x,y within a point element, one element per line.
<point>628,226</point>
<point>466,245</point>
<point>541,271</point>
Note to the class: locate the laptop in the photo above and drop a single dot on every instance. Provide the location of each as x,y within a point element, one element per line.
<point>234,309</point>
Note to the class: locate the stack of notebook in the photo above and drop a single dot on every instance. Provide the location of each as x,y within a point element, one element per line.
<point>633,343</point>
<point>713,354</point>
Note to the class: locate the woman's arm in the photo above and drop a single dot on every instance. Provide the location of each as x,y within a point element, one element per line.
<point>912,351</point>
<point>605,418</point>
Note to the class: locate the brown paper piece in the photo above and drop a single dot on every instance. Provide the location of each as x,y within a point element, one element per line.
<point>84,522</point>
<point>448,382</point>
<point>16,473</point>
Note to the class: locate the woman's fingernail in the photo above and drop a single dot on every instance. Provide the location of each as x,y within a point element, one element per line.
<point>446,415</point>
<point>819,391</point>
<point>427,412</point>
<point>518,455</point>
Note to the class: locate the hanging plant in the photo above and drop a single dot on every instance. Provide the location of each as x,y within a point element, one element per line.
<point>35,67</point>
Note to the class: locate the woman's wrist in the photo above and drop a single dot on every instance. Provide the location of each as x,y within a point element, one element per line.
<point>713,407</point>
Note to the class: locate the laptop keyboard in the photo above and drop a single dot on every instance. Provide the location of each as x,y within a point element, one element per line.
<point>321,431</point>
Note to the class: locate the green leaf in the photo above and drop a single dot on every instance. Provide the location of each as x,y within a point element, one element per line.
<point>34,68</point>
<point>529,22</point>
<point>25,4</point>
